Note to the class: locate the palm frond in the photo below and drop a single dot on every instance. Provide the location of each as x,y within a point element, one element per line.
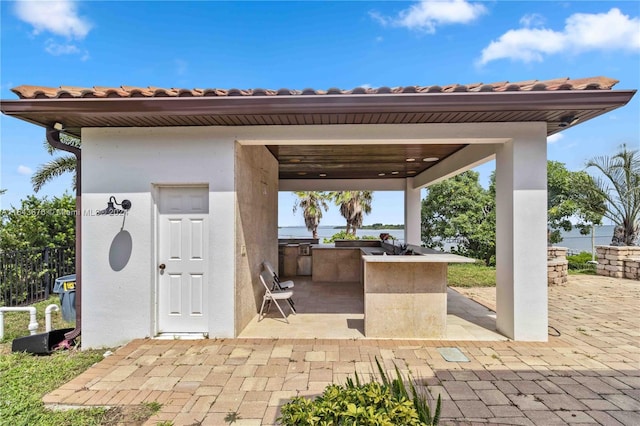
<point>51,170</point>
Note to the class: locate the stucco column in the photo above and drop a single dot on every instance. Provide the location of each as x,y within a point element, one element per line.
<point>412,214</point>
<point>521,235</point>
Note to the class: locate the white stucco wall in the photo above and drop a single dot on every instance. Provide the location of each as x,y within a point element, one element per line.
<point>118,306</point>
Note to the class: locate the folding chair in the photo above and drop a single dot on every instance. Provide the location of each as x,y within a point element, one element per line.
<point>277,284</point>
<point>281,284</point>
<point>273,296</point>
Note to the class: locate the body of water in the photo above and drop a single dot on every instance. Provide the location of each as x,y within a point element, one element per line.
<point>329,231</point>
<point>573,240</point>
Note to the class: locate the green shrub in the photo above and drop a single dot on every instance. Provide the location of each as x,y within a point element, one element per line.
<point>581,263</point>
<point>388,403</point>
<point>342,235</point>
<point>582,257</point>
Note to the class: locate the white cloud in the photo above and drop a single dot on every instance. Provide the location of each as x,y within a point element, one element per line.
<point>24,170</point>
<point>57,49</point>
<point>59,17</point>
<point>532,20</point>
<point>554,138</point>
<point>429,14</point>
<point>582,32</point>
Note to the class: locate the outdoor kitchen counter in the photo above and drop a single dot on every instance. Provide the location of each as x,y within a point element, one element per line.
<point>405,296</point>
<point>374,254</point>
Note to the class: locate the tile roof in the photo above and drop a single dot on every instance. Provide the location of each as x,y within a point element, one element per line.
<point>40,92</point>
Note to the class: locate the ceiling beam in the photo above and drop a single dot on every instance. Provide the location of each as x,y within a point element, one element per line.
<point>465,159</point>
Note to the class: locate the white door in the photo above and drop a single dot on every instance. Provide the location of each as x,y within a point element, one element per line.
<point>183,262</point>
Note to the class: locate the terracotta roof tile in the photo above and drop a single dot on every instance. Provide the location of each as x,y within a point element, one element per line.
<point>38,92</point>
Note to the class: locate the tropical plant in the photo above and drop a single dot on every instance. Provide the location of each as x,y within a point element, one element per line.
<point>619,185</point>
<point>311,203</point>
<point>373,403</point>
<point>58,166</point>
<point>353,206</point>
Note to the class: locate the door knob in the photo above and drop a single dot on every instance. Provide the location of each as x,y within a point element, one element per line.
<point>162,266</point>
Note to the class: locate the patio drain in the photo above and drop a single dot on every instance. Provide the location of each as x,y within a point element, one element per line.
<point>453,355</point>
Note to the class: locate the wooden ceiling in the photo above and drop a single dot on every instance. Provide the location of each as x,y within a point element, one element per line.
<point>357,161</point>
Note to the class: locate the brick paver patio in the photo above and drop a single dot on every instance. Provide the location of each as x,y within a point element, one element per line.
<point>590,373</point>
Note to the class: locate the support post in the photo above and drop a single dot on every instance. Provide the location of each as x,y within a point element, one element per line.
<point>521,235</point>
<point>412,214</point>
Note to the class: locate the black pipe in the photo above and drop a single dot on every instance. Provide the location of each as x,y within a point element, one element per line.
<point>53,138</point>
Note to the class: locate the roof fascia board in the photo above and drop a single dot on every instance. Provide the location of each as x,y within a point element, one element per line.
<point>323,104</point>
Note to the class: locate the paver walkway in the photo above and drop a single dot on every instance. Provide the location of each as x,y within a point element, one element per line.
<point>588,374</point>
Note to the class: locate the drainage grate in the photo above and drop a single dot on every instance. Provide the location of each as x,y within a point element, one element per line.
<point>453,355</point>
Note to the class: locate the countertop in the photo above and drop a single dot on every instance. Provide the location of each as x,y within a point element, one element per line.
<point>374,254</point>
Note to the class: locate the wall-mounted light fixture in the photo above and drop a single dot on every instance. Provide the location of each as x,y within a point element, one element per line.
<point>567,120</point>
<point>112,210</point>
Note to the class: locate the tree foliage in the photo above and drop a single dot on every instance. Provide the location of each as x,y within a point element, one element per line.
<point>619,185</point>
<point>353,206</point>
<point>58,165</point>
<point>460,208</point>
<point>38,223</point>
<point>311,203</point>
<point>572,201</point>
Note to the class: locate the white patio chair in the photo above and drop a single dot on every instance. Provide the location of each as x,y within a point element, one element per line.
<point>277,284</point>
<point>282,285</point>
<point>273,296</point>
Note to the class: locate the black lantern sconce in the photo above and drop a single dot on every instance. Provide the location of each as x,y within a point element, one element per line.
<point>112,210</point>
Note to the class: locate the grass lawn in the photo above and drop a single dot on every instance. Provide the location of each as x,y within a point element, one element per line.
<point>471,275</point>
<point>26,378</point>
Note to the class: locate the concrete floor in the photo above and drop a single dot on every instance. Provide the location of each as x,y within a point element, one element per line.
<point>336,311</point>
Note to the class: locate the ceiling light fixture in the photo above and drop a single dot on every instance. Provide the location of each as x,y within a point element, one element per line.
<point>302,173</point>
<point>322,175</point>
<point>381,174</point>
<point>409,160</point>
<point>568,120</point>
<point>394,173</point>
<point>411,172</point>
<point>430,159</point>
<point>294,160</point>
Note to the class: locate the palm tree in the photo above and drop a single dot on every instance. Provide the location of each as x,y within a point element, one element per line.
<point>56,167</point>
<point>353,206</point>
<point>311,203</point>
<point>619,185</point>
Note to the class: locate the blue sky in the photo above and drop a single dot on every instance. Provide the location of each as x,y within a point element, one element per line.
<point>319,45</point>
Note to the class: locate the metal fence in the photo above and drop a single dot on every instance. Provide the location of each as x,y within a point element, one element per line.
<point>27,276</point>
